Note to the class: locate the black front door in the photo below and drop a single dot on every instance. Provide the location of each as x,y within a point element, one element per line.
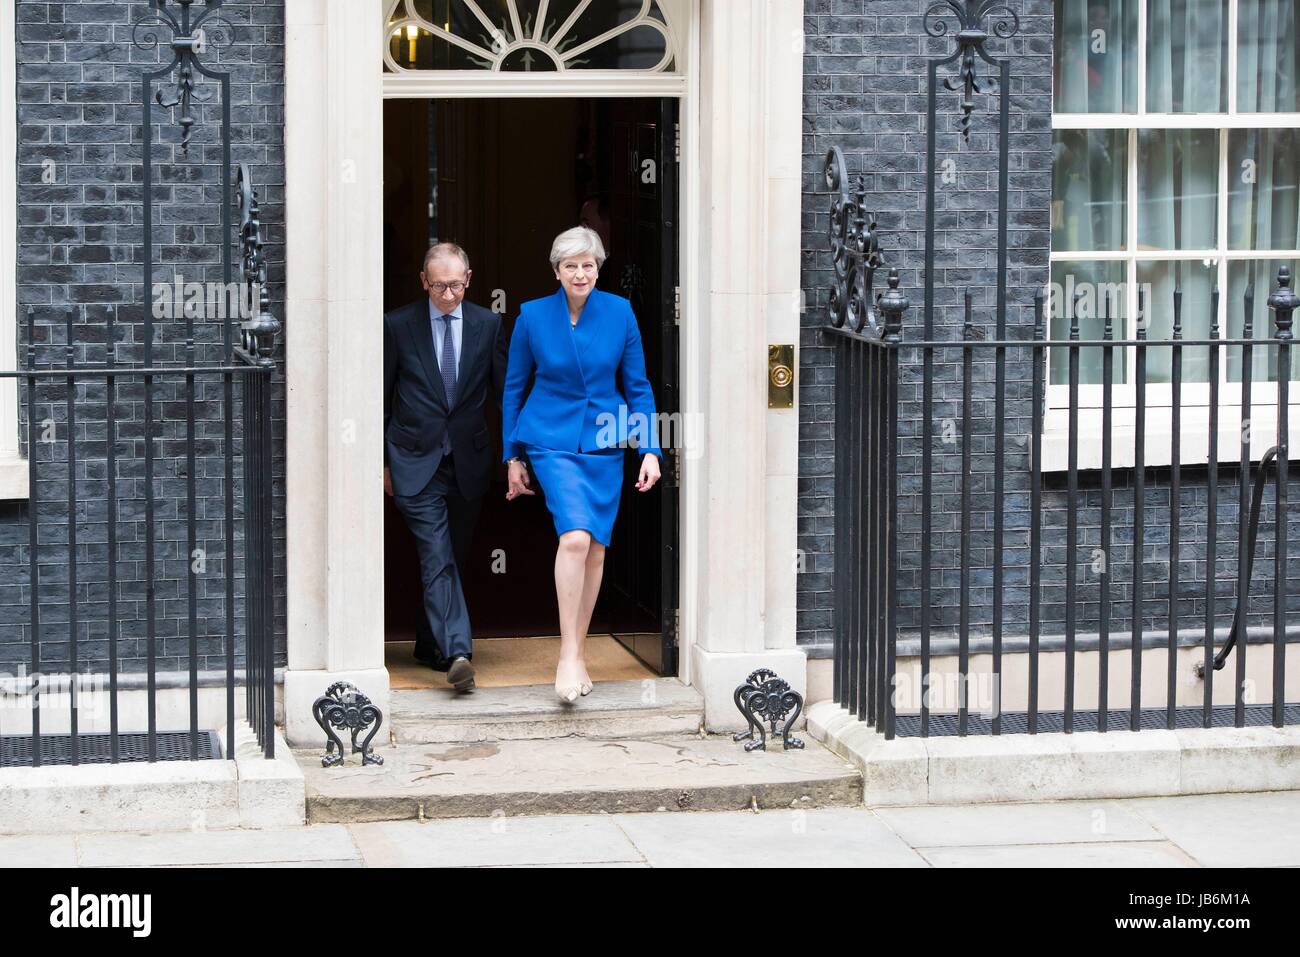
<point>643,266</point>
<point>454,172</point>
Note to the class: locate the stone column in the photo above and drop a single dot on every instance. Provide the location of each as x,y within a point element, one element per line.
<point>750,82</point>
<point>334,345</point>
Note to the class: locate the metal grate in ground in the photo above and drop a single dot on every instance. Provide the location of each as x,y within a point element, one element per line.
<point>1151,719</point>
<point>56,749</point>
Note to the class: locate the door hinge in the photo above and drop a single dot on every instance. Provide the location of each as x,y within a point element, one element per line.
<point>677,305</point>
<point>672,470</point>
<point>677,142</point>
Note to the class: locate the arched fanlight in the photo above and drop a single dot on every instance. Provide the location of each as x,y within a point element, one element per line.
<point>528,35</point>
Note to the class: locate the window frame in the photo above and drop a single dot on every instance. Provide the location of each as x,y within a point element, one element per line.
<point>1194,399</point>
<point>13,466</point>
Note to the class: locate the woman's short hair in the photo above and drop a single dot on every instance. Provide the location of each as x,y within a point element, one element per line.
<point>577,241</point>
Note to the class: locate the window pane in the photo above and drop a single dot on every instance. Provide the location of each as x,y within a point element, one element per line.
<point>1268,57</point>
<point>1262,275</point>
<point>1089,189</point>
<point>1157,281</point>
<point>1187,56</point>
<point>1264,198</point>
<point>1178,189</point>
<point>1095,67</point>
<point>1089,291</point>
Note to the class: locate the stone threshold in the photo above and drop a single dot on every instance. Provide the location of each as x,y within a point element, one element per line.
<point>1050,767</point>
<point>575,775</point>
<point>651,707</point>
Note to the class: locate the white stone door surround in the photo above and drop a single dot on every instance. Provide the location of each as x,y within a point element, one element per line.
<point>741,140</point>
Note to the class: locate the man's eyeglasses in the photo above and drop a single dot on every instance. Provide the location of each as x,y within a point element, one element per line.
<point>441,287</point>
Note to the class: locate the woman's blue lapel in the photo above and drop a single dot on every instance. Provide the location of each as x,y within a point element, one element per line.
<point>562,330</point>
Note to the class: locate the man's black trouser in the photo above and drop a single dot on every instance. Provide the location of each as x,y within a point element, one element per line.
<point>442,522</point>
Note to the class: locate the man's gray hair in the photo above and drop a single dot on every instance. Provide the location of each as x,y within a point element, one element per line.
<point>448,251</point>
<point>577,241</point>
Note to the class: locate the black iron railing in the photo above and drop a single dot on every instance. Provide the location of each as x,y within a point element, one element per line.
<point>182,498</point>
<point>110,499</point>
<point>887,593</point>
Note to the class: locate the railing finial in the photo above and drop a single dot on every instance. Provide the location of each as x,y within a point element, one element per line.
<point>970,34</point>
<point>191,37</point>
<point>1283,302</point>
<point>892,306</point>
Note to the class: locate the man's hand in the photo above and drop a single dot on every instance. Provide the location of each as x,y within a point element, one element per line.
<point>388,483</point>
<point>649,473</point>
<point>519,482</point>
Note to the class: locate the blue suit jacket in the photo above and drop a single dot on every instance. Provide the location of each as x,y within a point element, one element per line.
<point>575,404</point>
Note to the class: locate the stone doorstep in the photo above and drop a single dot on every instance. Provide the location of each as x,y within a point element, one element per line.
<point>1051,767</point>
<point>617,709</point>
<point>248,792</point>
<point>575,775</point>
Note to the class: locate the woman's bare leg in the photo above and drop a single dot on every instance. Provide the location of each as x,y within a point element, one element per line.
<point>594,572</point>
<point>570,589</point>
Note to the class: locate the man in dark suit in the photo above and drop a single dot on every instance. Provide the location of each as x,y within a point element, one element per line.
<point>443,359</point>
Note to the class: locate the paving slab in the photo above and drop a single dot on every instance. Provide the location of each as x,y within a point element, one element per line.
<point>38,851</point>
<point>831,837</point>
<point>314,865</point>
<point>575,776</point>
<point>235,847</point>
<point>495,842</point>
<point>615,709</point>
<point>1118,854</point>
<point>1064,822</point>
<point>1229,830</point>
<point>620,864</point>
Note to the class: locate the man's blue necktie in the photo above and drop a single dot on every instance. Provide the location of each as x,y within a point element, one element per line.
<point>448,362</point>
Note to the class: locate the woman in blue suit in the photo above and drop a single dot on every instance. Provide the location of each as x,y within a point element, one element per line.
<point>573,427</point>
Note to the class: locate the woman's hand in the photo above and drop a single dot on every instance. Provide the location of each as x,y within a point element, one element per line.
<point>519,483</point>
<point>649,473</point>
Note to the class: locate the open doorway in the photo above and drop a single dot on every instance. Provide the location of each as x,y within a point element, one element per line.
<point>502,177</point>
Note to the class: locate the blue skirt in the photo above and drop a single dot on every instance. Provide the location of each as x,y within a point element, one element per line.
<point>582,489</point>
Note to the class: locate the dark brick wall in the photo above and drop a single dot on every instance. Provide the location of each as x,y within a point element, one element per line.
<point>864,86</point>
<point>80,256</point>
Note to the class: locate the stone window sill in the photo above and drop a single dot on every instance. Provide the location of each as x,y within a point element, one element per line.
<point>13,478</point>
<point>1193,441</point>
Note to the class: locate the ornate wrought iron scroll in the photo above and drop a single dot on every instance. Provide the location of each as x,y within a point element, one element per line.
<point>855,249</point>
<point>971,34</point>
<point>767,697</point>
<point>342,706</point>
<point>191,36</point>
<point>259,330</point>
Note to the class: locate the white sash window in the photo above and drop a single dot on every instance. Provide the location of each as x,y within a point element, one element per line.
<point>1176,165</point>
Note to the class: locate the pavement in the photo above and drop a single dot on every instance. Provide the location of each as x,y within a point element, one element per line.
<point>1219,830</point>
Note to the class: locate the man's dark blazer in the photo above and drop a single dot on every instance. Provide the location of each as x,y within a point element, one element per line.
<point>416,416</point>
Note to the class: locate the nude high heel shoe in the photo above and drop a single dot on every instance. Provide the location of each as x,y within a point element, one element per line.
<point>566,689</point>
